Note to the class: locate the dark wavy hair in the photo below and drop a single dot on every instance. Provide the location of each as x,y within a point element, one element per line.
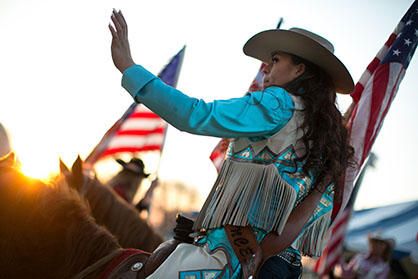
<point>328,152</point>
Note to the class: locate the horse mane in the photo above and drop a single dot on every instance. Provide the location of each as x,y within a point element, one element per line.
<point>46,230</point>
<point>111,211</point>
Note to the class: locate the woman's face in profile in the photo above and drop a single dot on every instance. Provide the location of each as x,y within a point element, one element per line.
<point>281,70</point>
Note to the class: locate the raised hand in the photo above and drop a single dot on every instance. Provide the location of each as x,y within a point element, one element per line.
<point>121,52</point>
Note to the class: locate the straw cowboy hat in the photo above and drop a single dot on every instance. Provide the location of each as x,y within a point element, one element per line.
<point>135,165</point>
<point>305,44</point>
<point>379,236</point>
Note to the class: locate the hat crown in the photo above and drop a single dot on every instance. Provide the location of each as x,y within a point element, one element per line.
<point>380,236</point>
<point>315,37</point>
<point>135,165</point>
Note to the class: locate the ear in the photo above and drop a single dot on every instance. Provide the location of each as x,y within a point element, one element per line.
<point>300,69</point>
<point>63,167</point>
<point>7,161</point>
<point>77,171</point>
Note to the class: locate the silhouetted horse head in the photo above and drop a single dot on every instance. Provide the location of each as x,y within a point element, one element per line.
<point>110,210</point>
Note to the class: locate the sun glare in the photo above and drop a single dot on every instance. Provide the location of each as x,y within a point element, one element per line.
<point>36,169</point>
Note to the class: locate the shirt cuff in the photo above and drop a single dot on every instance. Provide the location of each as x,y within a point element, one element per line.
<point>135,78</point>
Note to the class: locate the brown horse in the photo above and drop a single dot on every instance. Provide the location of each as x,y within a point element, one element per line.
<point>110,210</point>
<point>46,231</point>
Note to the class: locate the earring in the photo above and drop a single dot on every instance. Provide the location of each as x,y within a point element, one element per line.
<point>300,91</point>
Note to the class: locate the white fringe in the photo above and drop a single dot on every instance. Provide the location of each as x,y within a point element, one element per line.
<point>248,194</point>
<point>312,241</point>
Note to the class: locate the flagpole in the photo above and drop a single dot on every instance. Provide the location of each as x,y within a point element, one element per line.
<point>161,152</point>
<point>280,23</point>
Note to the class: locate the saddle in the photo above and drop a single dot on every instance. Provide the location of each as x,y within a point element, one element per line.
<point>140,264</point>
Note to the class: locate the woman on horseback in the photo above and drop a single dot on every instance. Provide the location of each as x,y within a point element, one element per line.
<point>275,192</point>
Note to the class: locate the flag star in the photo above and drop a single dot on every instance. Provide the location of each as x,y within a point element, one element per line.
<point>407,42</point>
<point>396,52</point>
<point>409,22</point>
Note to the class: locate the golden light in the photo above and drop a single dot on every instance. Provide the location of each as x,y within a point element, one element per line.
<point>36,168</point>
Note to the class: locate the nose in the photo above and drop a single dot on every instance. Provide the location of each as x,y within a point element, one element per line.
<point>267,69</point>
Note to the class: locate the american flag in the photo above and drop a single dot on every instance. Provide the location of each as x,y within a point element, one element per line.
<point>333,252</point>
<point>373,96</point>
<point>139,129</point>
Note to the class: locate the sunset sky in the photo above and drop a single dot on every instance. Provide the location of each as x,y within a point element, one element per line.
<point>60,91</point>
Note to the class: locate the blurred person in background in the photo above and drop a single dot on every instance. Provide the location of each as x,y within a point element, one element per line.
<point>375,263</point>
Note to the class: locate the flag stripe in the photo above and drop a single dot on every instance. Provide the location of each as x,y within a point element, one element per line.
<point>386,107</point>
<point>132,149</point>
<point>143,124</point>
<point>141,132</point>
<point>144,115</point>
<point>136,141</point>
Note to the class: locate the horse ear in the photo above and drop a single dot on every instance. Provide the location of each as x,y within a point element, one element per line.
<point>77,171</point>
<point>63,167</point>
<point>7,161</point>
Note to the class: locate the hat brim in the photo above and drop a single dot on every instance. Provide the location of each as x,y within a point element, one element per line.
<point>388,241</point>
<point>262,45</point>
<point>126,166</point>
<point>121,162</point>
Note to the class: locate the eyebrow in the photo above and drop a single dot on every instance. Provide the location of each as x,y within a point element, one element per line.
<point>276,53</point>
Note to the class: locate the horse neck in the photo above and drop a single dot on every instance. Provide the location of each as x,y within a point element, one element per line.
<point>107,208</point>
<point>91,249</point>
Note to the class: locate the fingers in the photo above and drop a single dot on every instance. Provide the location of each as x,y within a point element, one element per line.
<point>112,30</point>
<point>116,24</point>
<point>123,21</point>
<point>119,23</point>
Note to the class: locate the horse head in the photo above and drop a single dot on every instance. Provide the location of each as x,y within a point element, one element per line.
<point>78,176</point>
<point>110,210</point>
<point>46,230</point>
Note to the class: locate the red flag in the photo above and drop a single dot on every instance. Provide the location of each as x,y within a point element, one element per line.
<point>139,129</point>
<point>332,254</point>
<point>334,250</point>
<point>373,96</point>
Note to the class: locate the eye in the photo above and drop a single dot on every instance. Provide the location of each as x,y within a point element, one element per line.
<point>275,59</point>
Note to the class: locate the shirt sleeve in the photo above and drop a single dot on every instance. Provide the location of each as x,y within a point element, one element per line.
<point>384,273</point>
<point>256,114</point>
